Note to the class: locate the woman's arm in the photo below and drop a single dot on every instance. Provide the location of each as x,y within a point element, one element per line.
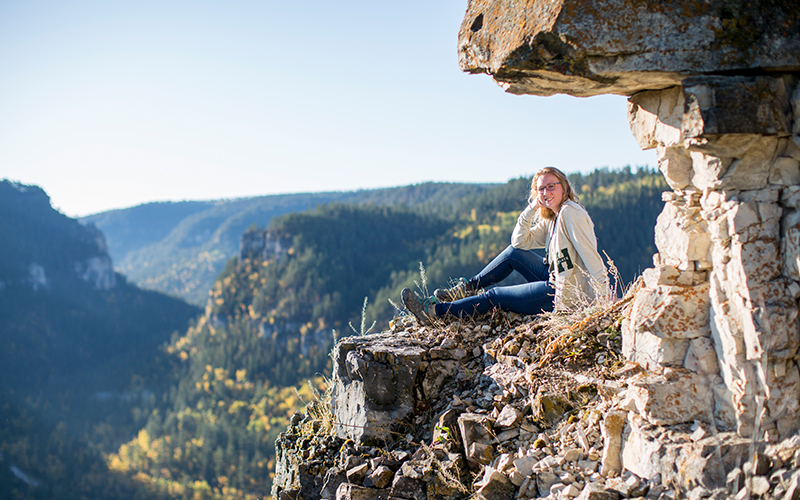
<point>529,233</point>
<point>580,230</point>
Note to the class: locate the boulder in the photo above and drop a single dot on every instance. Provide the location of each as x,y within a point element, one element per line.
<point>676,397</point>
<point>476,434</point>
<point>673,312</point>
<point>333,478</point>
<point>545,481</point>
<point>682,236</point>
<point>408,488</point>
<point>585,48</point>
<point>358,473</point>
<point>641,449</point>
<point>549,408</point>
<point>719,105</point>
<point>373,385</point>
<point>648,453</point>
<point>653,352</point>
<point>347,491</point>
<point>594,491</point>
<point>676,165</point>
<point>785,171</point>
<point>508,417</point>
<point>524,465</point>
<point>494,486</point>
<point>612,429</point>
<point>655,117</point>
<point>381,477</point>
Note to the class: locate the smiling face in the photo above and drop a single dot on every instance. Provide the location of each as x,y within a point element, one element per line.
<point>550,192</point>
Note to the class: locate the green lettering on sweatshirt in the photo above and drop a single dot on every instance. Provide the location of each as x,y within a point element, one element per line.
<point>564,258</point>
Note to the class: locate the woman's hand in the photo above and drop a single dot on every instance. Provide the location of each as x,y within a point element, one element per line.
<point>529,213</point>
<point>532,209</point>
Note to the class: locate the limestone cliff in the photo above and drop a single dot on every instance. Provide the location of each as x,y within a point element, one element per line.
<point>713,88</point>
<point>263,245</point>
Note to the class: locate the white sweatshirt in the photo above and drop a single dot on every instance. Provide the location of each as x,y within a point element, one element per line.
<point>576,269</point>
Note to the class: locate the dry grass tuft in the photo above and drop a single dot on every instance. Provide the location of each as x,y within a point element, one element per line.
<point>563,331</point>
<point>442,472</point>
<point>320,418</point>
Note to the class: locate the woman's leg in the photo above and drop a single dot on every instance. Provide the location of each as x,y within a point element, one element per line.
<point>528,298</point>
<point>529,264</point>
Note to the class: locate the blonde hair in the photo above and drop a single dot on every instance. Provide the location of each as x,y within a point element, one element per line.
<point>569,194</point>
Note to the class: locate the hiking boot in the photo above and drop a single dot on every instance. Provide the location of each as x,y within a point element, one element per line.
<point>460,290</point>
<point>422,309</point>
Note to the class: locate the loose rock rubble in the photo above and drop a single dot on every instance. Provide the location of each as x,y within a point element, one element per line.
<point>503,425</point>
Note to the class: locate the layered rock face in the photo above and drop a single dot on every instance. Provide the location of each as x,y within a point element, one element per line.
<point>585,48</point>
<point>374,382</point>
<point>712,88</point>
<point>721,302</point>
<point>261,244</point>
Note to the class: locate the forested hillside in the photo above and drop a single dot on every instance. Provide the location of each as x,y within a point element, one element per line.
<point>179,248</point>
<point>268,328</point>
<point>80,358</point>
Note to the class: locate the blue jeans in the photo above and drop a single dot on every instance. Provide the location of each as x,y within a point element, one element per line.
<point>533,297</point>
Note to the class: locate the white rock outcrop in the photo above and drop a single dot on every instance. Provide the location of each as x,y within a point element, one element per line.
<point>98,271</point>
<point>726,274</point>
<point>37,277</point>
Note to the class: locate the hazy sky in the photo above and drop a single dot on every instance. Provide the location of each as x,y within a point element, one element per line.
<point>112,104</point>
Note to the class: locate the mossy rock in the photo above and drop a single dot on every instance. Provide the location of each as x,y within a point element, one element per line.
<point>549,408</point>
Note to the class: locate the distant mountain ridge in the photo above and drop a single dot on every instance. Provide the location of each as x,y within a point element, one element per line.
<point>179,248</point>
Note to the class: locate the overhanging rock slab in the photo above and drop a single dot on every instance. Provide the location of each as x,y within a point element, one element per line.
<point>591,47</point>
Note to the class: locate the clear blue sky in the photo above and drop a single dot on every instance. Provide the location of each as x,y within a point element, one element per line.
<point>109,104</point>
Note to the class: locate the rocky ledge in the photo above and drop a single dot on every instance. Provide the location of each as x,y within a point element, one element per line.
<point>700,398</point>
<point>517,407</point>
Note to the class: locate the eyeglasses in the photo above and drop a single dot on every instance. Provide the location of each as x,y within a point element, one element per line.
<point>548,187</point>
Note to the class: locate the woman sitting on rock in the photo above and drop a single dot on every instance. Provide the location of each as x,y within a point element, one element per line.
<point>571,273</point>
